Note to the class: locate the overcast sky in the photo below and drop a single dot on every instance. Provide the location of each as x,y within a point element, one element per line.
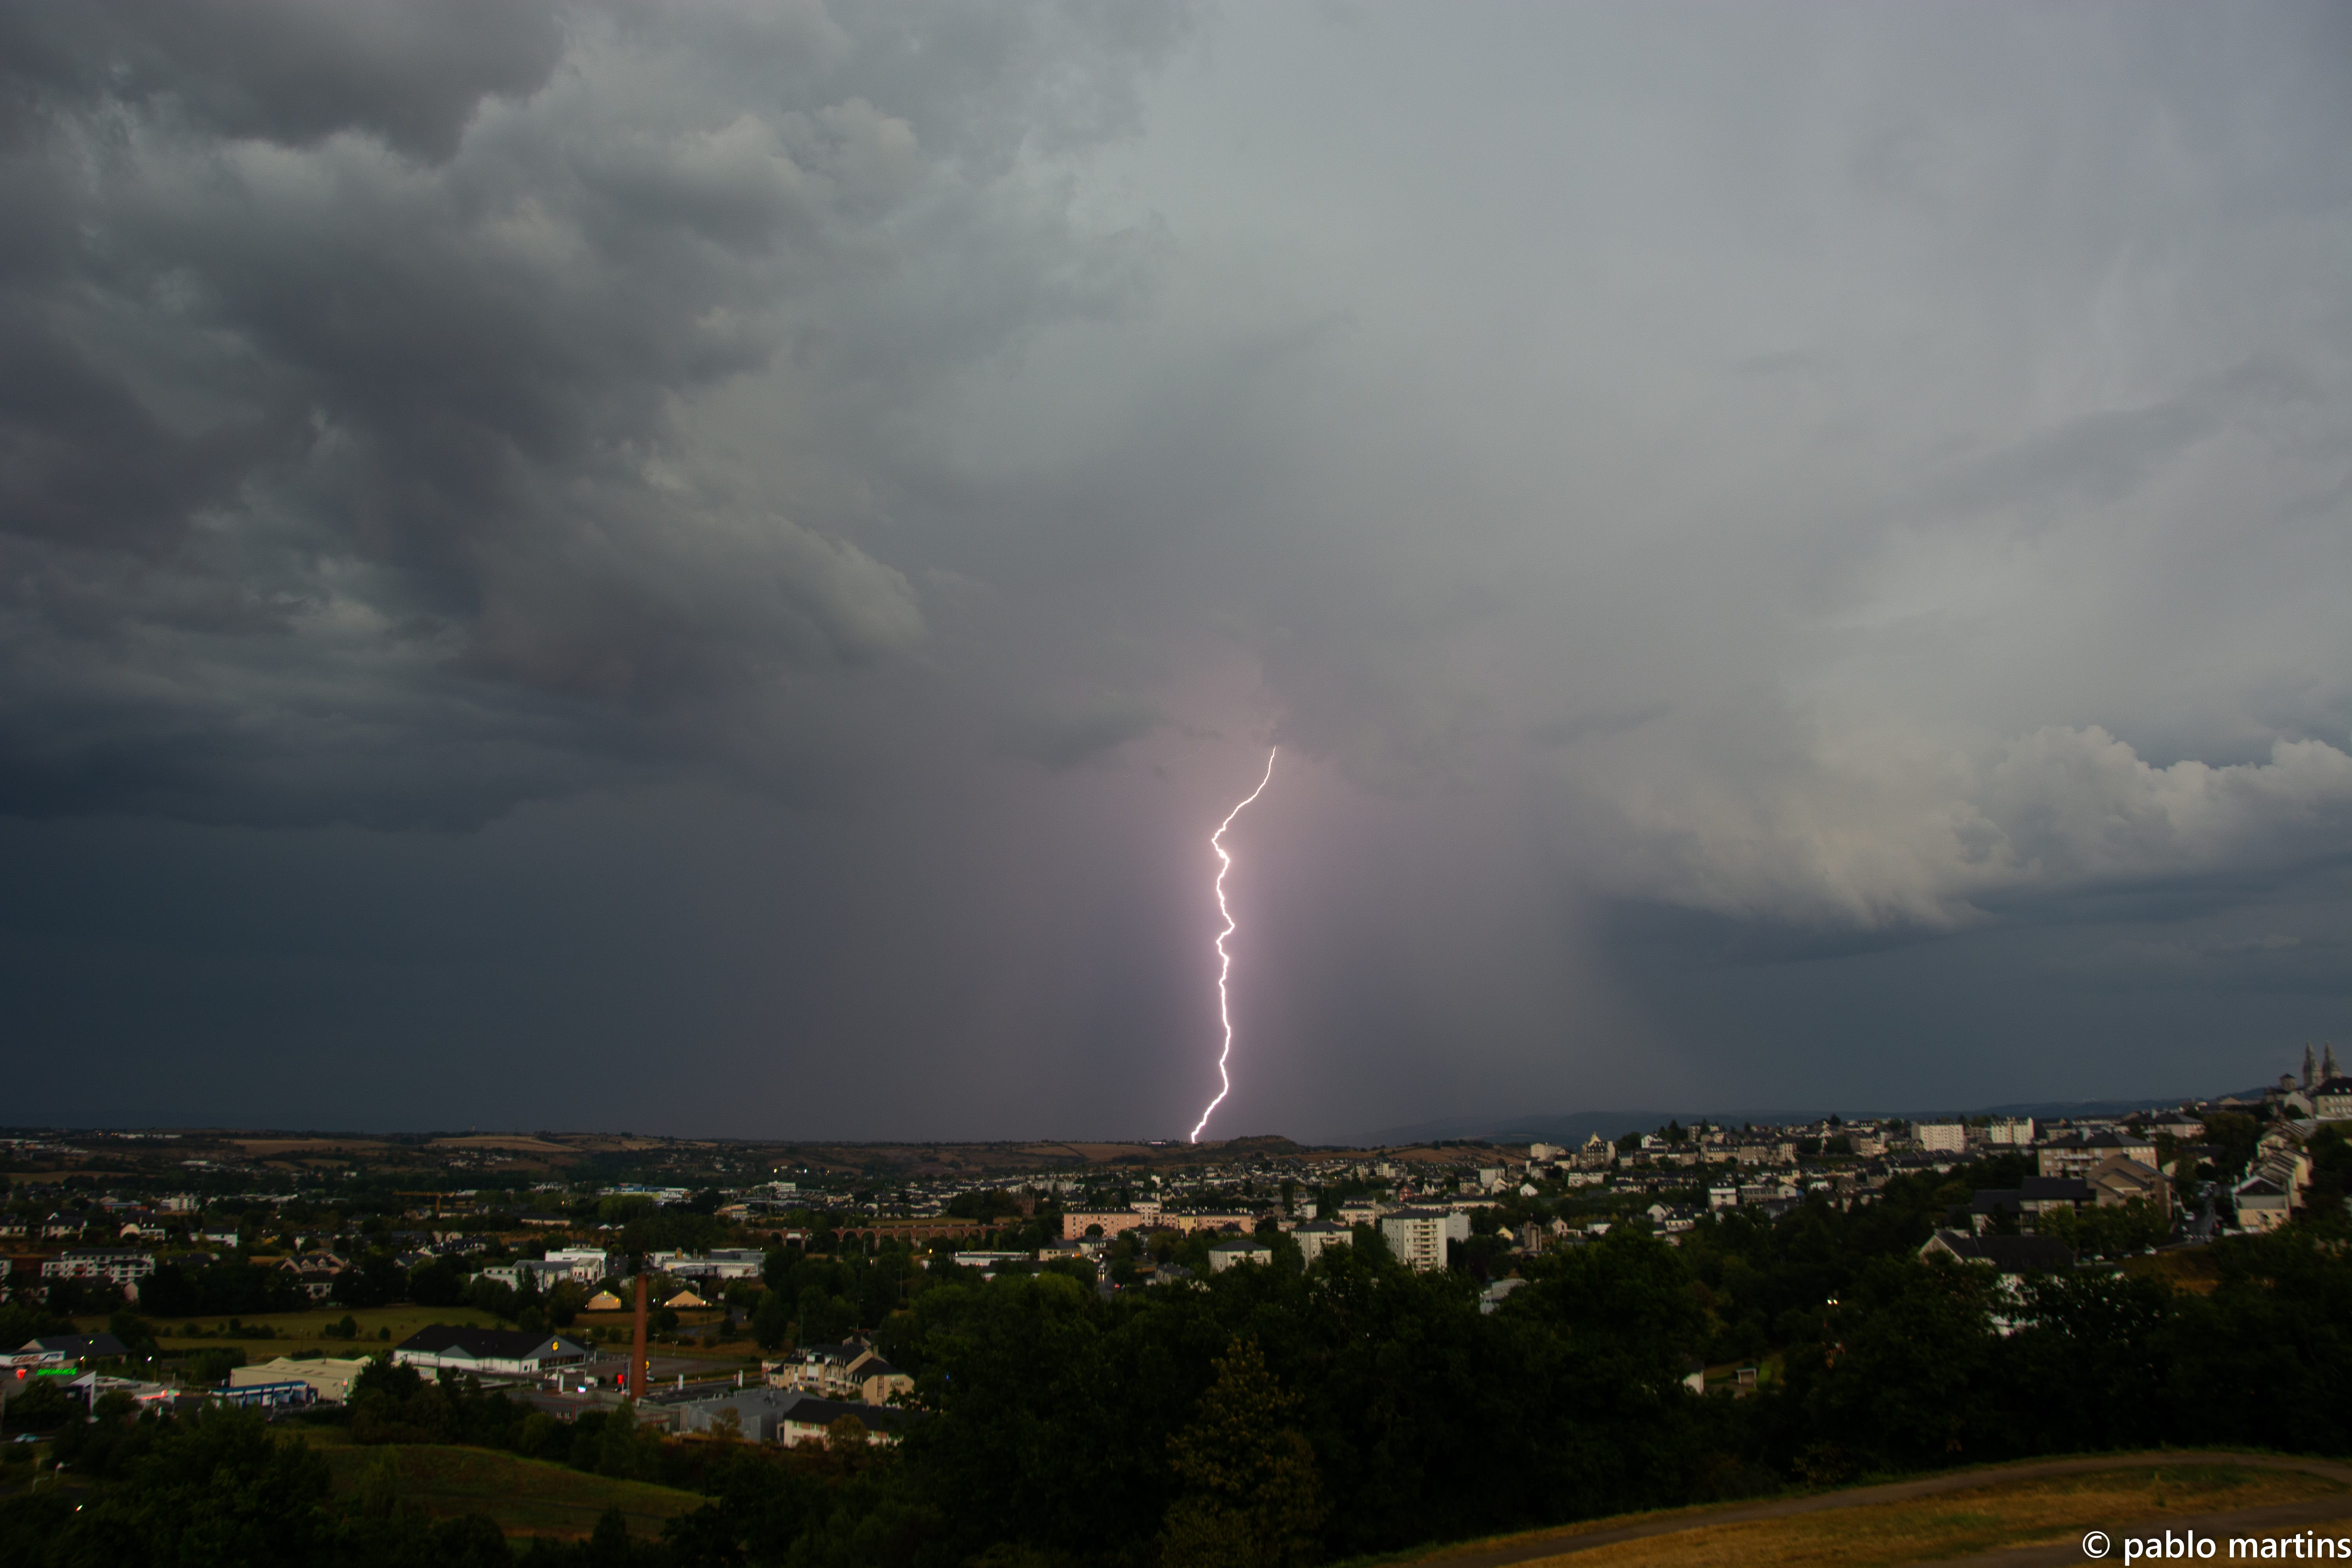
<point>712,568</point>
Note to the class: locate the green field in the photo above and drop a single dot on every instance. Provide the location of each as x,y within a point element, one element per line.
<point>298,1332</point>
<point>525,1497</point>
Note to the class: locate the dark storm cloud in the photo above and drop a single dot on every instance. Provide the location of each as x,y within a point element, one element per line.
<point>347,350</point>
<point>1751,526</point>
<point>1080,731</point>
<point>409,72</point>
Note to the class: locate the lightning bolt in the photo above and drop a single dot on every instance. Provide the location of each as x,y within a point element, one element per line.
<point>1224,959</point>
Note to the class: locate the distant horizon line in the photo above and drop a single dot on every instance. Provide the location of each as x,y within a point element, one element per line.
<point>1538,1127</point>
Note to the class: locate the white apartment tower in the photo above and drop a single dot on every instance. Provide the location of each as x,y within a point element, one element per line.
<point>1418,1237</point>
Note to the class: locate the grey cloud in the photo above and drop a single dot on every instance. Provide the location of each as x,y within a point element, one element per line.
<point>1788,363</point>
<point>297,739</point>
<point>1081,731</point>
<point>2095,455</point>
<point>291,71</point>
<point>1567,731</point>
<point>2204,958</point>
<point>84,460</point>
<point>1922,836</point>
<point>439,374</point>
<point>2099,457</point>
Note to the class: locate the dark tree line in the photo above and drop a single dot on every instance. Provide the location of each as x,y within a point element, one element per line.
<point>221,1288</point>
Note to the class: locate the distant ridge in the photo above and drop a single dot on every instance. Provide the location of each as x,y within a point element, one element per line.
<point>1575,1127</point>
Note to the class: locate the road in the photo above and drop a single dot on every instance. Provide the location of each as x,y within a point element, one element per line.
<point>2246,1521</point>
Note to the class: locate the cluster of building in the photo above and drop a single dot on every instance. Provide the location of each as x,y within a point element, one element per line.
<point>771,1415</point>
<point>78,1360</point>
<point>2081,1164</point>
<point>1422,1201</point>
<point>850,1370</point>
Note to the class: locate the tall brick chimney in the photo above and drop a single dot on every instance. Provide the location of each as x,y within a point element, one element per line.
<point>637,1346</point>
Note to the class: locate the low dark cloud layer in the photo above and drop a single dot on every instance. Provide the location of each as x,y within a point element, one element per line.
<point>1794,557</point>
<point>354,353</point>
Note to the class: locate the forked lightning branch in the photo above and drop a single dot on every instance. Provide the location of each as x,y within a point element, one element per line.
<point>1224,959</point>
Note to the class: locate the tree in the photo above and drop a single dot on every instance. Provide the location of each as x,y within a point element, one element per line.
<point>170,1292</point>
<point>1253,1495</point>
<point>21,1320</point>
<point>625,1209</point>
<point>847,1435</point>
<point>384,1375</point>
<point>983,1205</point>
<point>622,1449</point>
<point>756,1508</point>
<point>68,1298</point>
<point>1907,1378</point>
<point>2331,1174</point>
<point>824,1317</point>
<point>772,1320</point>
<point>2233,1135</point>
<point>374,1280</point>
<point>210,1367</point>
<point>219,1489</point>
<point>436,1282</point>
<point>43,1407</point>
<point>492,1296</point>
<point>2111,1230</point>
<point>564,1303</point>
<point>136,1333</point>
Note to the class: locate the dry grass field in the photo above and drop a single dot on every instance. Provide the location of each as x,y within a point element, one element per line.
<point>285,1148</point>
<point>509,1142</point>
<point>1999,1515</point>
<point>2189,1269</point>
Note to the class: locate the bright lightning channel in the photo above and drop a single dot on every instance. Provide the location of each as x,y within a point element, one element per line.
<point>1224,959</point>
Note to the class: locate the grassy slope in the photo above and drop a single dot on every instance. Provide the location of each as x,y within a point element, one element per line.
<point>527,1497</point>
<point>2000,1513</point>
